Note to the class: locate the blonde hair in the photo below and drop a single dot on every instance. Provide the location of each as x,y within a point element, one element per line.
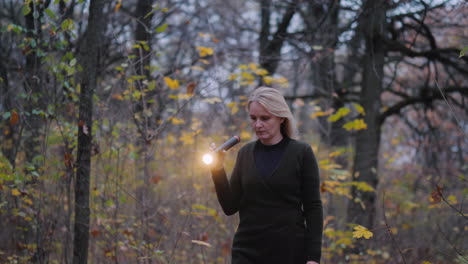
<point>276,105</point>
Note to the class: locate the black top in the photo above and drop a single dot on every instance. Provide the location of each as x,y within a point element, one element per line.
<point>280,215</point>
<point>267,157</point>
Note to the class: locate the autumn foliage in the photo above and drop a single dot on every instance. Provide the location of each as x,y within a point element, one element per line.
<point>173,78</point>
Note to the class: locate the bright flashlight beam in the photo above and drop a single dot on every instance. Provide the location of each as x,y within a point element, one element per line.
<point>208,159</point>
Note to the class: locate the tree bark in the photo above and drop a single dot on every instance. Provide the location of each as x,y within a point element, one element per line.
<point>270,50</point>
<point>8,129</point>
<point>321,20</point>
<point>146,124</point>
<point>32,85</point>
<point>88,58</point>
<point>362,209</point>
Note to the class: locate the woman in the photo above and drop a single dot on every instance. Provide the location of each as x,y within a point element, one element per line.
<point>275,188</point>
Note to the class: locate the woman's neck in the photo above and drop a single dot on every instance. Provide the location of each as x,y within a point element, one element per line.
<point>272,141</point>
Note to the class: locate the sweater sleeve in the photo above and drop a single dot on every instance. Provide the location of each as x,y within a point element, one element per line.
<point>312,205</point>
<point>229,193</point>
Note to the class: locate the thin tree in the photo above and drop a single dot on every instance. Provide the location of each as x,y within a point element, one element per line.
<point>88,58</point>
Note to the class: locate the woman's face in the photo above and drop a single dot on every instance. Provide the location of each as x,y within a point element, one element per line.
<point>267,127</point>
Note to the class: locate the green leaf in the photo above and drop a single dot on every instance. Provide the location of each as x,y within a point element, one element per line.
<point>67,24</point>
<point>162,28</point>
<point>6,115</point>
<point>317,47</point>
<point>73,62</point>
<point>50,13</point>
<point>149,14</point>
<point>151,85</point>
<point>463,51</point>
<point>26,10</point>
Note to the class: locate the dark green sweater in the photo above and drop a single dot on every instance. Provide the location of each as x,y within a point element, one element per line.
<point>280,215</point>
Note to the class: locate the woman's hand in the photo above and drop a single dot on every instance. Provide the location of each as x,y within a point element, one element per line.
<point>312,262</point>
<point>218,158</point>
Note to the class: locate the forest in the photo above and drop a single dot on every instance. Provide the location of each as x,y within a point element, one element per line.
<point>107,107</point>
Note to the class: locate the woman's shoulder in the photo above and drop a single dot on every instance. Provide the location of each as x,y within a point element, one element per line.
<point>247,146</point>
<point>298,144</point>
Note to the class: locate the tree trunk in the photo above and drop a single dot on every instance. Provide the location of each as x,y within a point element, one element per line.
<point>88,58</point>
<point>8,128</point>
<point>32,86</point>
<point>146,124</point>
<point>270,50</point>
<point>321,20</point>
<point>362,209</point>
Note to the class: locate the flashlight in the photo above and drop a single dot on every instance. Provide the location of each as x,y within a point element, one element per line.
<point>208,158</point>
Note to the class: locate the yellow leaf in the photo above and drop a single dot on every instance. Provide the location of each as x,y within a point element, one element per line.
<point>204,51</point>
<point>245,135</point>
<point>177,121</point>
<point>15,192</point>
<point>173,84</point>
<point>267,80</point>
<point>117,6</point>
<point>248,82</point>
<point>197,68</point>
<point>247,76</point>
<point>360,185</point>
<point>187,138</point>
<point>212,100</point>
<point>136,95</point>
<point>196,124</point>
<point>361,231</point>
<point>336,153</point>
<point>281,80</point>
<point>203,35</point>
<point>344,241</point>
<point>202,243</point>
<point>320,113</point>
<point>261,72</point>
<point>343,111</point>
<point>357,124</point>
<point>243,67</point>
<point>204,61</point>
<point>28,201</point>
<point>234,107</point>
<point>426,262</point>
<point>452,199</point>
<point>253,66</point>
<point>360,109</point>
<point>171,139</point>
<point>232,77</point>
<point>27,218</point>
